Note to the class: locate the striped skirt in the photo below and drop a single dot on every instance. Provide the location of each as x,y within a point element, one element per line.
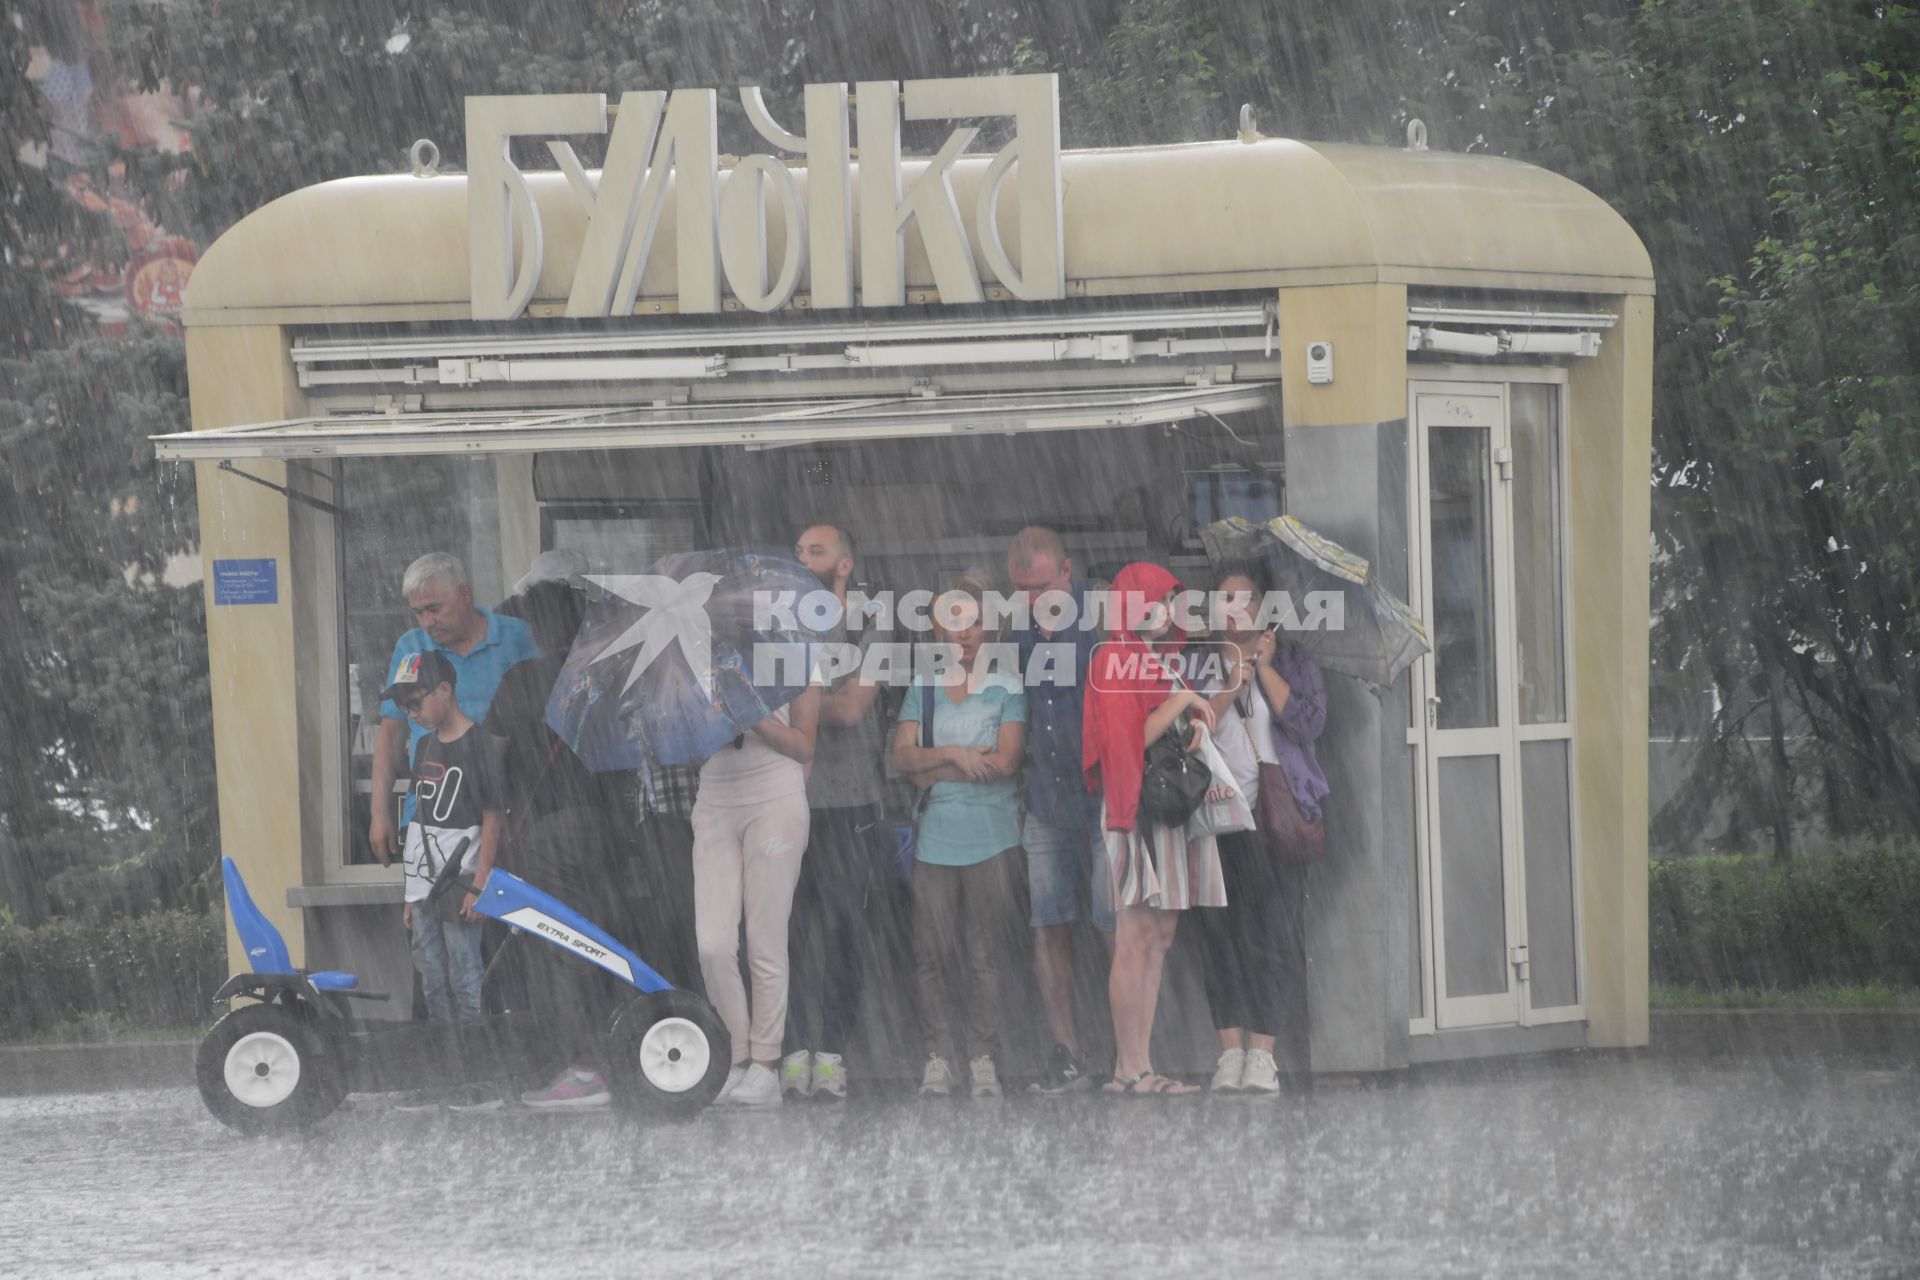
<point>1156,866</point>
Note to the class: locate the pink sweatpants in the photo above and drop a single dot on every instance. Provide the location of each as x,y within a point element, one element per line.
<point>746,860</point>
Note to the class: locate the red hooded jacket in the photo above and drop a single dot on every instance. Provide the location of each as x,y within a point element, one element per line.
<point>1120,695</point>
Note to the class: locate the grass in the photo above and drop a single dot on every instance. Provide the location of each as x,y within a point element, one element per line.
<point>98,1029</point>
<point>1872,996</point>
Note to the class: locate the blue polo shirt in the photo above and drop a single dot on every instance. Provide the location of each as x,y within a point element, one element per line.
<point>476,674</point>
<point>1056,783</point>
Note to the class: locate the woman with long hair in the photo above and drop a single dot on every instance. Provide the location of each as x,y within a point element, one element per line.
<point>1270,708</point>
<point>1157,871</point>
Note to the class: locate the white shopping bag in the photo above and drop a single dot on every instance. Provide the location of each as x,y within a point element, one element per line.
<point>1226,809</point>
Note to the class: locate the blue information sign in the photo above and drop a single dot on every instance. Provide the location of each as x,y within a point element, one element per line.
<point>246,582</point>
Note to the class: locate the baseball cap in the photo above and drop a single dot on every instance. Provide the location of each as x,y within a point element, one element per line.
<point>421,672</point>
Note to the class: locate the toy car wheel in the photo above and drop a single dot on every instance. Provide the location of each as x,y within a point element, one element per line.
<point>263,1069</point>
<point>670,1053</point>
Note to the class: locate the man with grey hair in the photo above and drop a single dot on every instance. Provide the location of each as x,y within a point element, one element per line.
<point>481,646</point>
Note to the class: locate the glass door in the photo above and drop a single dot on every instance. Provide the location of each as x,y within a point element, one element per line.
<point>1469,791</point>
<point>1495,922</point>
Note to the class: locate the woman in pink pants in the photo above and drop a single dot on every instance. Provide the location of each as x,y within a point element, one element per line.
<point>749,832</point>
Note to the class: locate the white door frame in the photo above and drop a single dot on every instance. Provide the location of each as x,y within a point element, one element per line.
<point>1486,401</point>
<point>1479,406</point>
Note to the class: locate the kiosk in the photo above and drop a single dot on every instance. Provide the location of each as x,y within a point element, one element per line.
<point>1443,361</point>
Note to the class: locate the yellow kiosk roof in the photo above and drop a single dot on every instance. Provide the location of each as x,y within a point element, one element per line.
<point>1196,217</point>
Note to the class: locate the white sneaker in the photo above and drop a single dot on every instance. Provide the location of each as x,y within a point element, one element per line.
<point>829,1076</point>
<point>938,1080</point>
<point>1263,1074</point>
<point>796,1073</point>
<point>986,1081</point>
<point>759,1087</point>
<point>1227,1076</point>
<point>734,1074</point>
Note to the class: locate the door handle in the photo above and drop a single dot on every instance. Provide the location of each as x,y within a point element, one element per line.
<point>1433,710</point>
<point>1517,957</point>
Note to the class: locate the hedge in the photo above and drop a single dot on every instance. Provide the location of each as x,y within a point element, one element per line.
<point>1840,919</point>
<point>1715,924</point>
<point>135,973</point>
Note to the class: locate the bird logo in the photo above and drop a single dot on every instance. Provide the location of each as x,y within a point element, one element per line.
<point>676,615</point>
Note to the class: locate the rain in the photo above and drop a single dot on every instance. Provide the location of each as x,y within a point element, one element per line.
<point>1136,636</point>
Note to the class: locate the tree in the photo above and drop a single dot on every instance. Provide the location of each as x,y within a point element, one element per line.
<point>102,668</point>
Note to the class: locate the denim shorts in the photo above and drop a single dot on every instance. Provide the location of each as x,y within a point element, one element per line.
<point>1066,868</point>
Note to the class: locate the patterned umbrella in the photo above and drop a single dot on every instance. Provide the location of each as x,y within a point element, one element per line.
<point>664,666</point>
<point>1379,636</point>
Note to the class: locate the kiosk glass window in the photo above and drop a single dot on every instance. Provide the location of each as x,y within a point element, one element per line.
<point>1539,595</point>
<point>921,510</point>
<point>1464,573</point>
<point>394,510</point>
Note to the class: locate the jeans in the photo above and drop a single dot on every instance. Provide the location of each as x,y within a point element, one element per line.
<point>447,954</point>
<point>1067,866</point>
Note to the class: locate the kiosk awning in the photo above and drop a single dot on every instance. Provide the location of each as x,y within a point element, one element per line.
<point>756,423</point>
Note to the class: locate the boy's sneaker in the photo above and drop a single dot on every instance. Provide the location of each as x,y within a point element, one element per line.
<point>420,1100</point>
<point>1263,1074</point>
<point>1066,1073</point>
<point>796,1073</point>
<point>759,1087</point>
<point>734,1075</point>
<point>829,1077</point>
<point>986,1081</point>
<point>570,1090</point>
<point>474,1097</point>
<point>937,1082</point>
<point>1232,1068</point>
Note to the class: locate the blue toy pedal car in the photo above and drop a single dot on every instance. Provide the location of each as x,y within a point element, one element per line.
<point>285,1060</point>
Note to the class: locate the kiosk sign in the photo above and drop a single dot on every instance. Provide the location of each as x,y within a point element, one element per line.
<point>720,226</point>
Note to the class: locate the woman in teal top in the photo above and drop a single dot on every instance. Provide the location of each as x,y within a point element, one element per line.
<point>967,864</point>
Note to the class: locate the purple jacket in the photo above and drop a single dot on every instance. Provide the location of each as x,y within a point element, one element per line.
<point>1298,725</point>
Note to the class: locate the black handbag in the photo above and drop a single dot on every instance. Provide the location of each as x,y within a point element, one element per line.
<point>1175,782</point>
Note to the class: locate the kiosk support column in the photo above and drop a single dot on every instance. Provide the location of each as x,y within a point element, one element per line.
<point>241,374</point>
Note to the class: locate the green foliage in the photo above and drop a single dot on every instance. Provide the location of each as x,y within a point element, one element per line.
<point>1875,995</point>
<point>106,717</point>
<point>32,208</point>
<point>156,971</point>
<point>1842,919</point>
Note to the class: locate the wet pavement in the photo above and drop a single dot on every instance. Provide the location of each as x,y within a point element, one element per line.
<point>1578,1165</point>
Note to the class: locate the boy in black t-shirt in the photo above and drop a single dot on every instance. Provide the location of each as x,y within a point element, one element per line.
<point>456,797</point>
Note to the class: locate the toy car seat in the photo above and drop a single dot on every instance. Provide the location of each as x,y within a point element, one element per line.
<point>266,949</point>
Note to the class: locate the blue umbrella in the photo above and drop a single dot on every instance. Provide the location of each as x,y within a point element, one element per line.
<point>663,669</point>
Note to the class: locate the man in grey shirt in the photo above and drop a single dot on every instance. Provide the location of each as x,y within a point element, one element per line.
<point>845,843</point>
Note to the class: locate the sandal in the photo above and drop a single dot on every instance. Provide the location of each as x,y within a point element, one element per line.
<point>1124,1088</point>
<point>1154,1085</point>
